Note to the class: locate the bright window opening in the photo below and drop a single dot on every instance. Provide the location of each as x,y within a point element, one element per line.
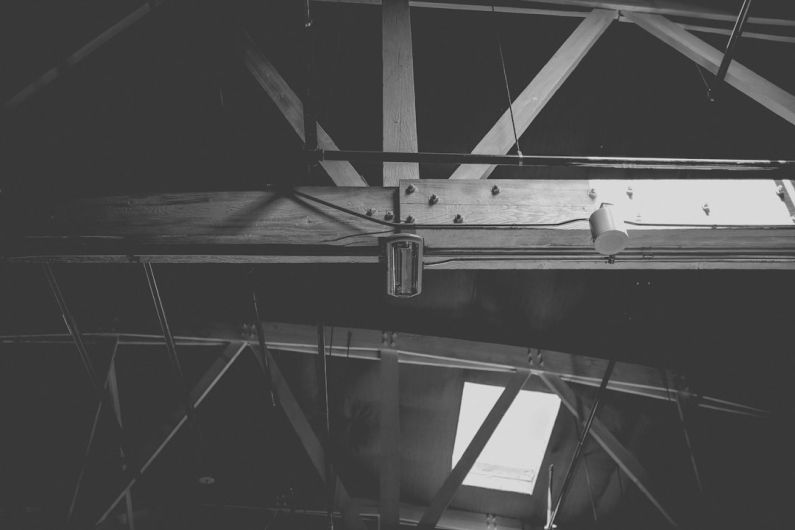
<point>512,457</point>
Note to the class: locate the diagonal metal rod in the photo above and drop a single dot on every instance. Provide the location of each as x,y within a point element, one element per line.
<point>260,355</point>
<point>190,410</point>
<point>578,450</point>
<point>324,409</point>
<point>686,431</point>
<point>74,331</point>
<point>91,437</point>
<point>728,55</point>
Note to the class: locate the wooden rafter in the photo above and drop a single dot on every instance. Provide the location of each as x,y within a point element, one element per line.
<point>289,104</point>
<point>456,477</point>
<point>81,53</point>
<point>668,8</point>
<point>399,112</point>
<point>535,96</point>
<point>615,449</point>
<point>426,350</point>
<point>743,79</point>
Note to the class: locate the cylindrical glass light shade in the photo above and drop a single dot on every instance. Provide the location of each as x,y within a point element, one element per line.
<point>403,265</point>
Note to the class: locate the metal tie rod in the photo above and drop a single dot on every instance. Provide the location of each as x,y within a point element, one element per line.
<point>728,168</point>
<point>580,443</point>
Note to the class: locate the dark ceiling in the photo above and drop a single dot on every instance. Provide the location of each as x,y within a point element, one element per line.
<point>167,106</point>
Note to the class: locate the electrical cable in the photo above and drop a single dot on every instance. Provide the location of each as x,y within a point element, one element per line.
<point>505,78</point>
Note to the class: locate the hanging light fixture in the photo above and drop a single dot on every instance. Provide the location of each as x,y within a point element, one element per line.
<point>608,231</point>
<point>403,254</point>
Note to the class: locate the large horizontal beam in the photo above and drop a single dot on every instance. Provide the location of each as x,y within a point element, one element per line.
<point>719,21</point>
<point>529,224</point>
<point>425,350</point>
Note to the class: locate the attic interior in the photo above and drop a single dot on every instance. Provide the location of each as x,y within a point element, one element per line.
<point>195,328</point>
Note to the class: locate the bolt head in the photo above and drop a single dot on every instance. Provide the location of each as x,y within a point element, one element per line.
<point>433,199</point>
<point>495,190</point>
<point>410,189</point>
<point>592,193</point>
<point>370,212</point>
<point>389,216</point>
<point>705,208</point>
<point>630,192</point>
<point>458,218</point>
<point>410,219</point>
<point>780,191</point>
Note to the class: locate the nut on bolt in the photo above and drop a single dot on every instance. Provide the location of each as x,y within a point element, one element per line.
<point>410,219</point>
<point>389,215</point>
<point>592,193</point>
<point>458,218</point>
<point>433,199</point>
<point>495,190</point>
<point>705,208</point>
<point>780,191</point>
<point>370,212</point>
<point>410,188</point>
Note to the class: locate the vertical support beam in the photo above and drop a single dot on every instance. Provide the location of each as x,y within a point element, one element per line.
<point>445,494</point>
<point>390,441</point>
<point>535,96</point>
<point>113,387</point>
<point>749,83</point>
<point>400,115</point>
<point>625,460</point>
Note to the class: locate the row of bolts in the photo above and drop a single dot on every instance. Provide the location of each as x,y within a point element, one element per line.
<point>495,190</point>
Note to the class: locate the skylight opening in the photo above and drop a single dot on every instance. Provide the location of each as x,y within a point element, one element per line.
<point>513,456</point>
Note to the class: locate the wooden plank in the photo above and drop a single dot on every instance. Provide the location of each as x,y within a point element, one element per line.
<point>81,54</point>
<point>197,395</point>
<point>291,107</point>
<point>389,491</point>
<point>312,445</point>
<point>271,227</point>
<point>456,477</point>
<point>535,96</point>
<point>615,449</point>
<point>743,79</point>
<point>400,115</point>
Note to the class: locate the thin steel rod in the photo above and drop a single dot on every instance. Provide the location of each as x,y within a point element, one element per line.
<point>578,450</point>
<point>728,55</point>
<point>261,357</point>
<point>91,437</point>
<point>74,331</point>
<point>689,164</point>
<point>310,121</point>
<point>190,410</point>
<point>688,442</point>
<point>324,409</point>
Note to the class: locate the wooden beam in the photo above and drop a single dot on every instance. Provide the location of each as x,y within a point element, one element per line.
<point>197,395</point>
<point>274,85</point>
<point>668,8</point>
<point>622,457</point>
<point>389,490</point>
<point>456,477</point>
<point>424,350</point>
<point>81,53</point>
<point>400,115</point>
<point>274,227</point>
<point>500,139</point>
<point>312,445</point>
<point>749,83</point>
